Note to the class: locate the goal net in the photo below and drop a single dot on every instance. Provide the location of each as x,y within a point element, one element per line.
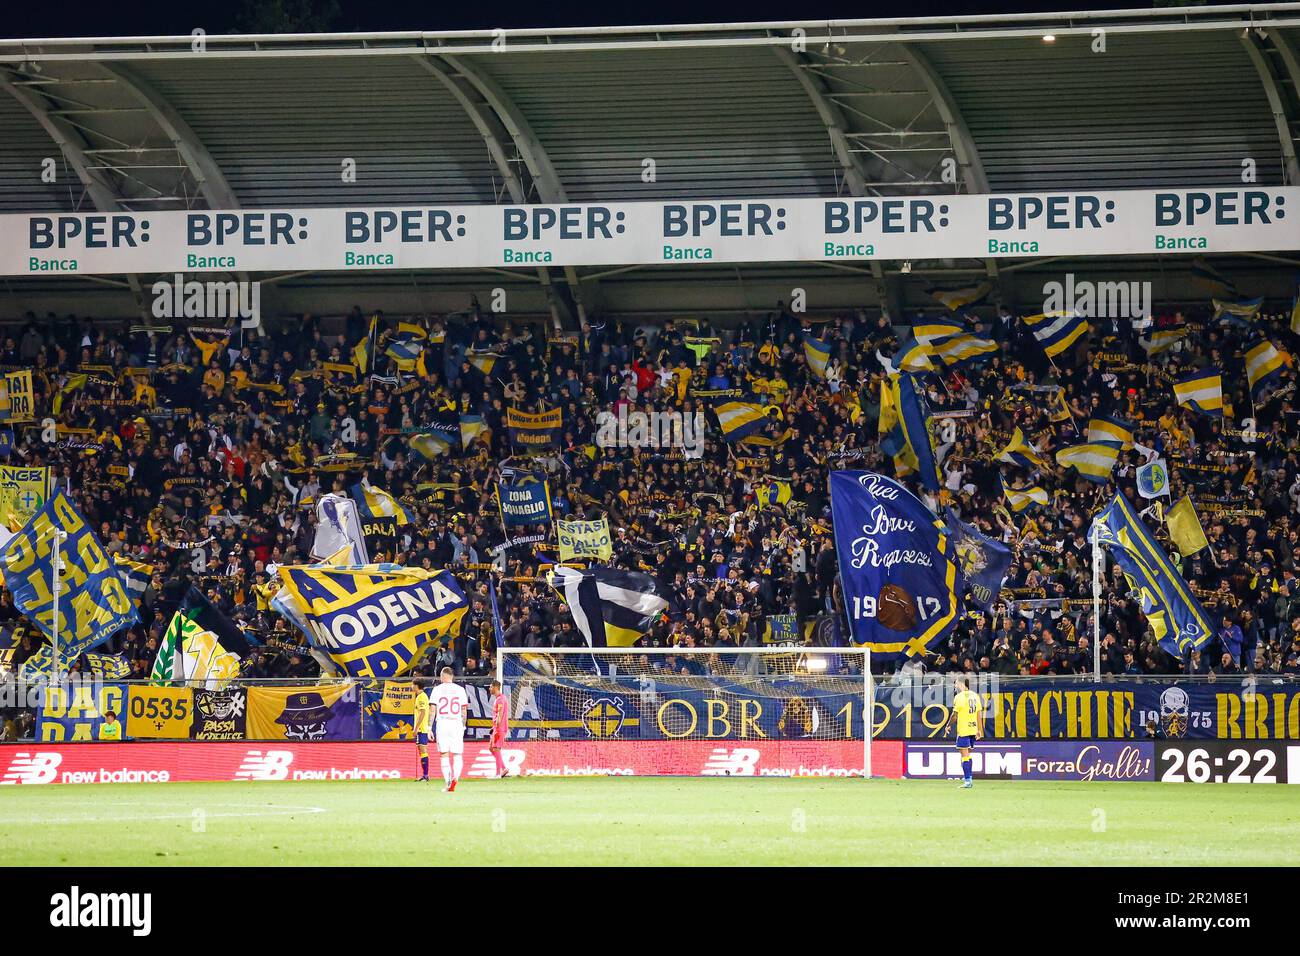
<point>750,711</point>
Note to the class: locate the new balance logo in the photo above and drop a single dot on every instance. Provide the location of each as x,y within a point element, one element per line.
<point>40,767</point>
<point>272,765</point>
<point>485,766</point>
<point>731,762</point>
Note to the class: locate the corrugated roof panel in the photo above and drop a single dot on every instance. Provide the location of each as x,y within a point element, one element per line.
<point>23,147</point>
<point>280,130</point>
<point>716,123</point>
<point>1152,110</point>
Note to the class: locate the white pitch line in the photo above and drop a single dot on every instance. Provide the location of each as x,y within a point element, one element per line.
<point>274,810</point>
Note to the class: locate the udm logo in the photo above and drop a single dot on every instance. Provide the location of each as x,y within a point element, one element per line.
<point>651,430</point>
<point>180,299</point>
<point>1098,300</point>
<point>77,909</point>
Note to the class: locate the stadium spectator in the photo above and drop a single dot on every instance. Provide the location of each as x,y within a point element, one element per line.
<point>208,471</point>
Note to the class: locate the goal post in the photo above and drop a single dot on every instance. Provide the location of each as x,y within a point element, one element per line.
<point>743,711</point>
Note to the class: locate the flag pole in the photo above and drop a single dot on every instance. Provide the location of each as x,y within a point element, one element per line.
<point>58,537</point>
<point>1097,560</point>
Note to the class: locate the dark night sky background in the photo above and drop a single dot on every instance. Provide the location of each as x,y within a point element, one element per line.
<point>53,18</point>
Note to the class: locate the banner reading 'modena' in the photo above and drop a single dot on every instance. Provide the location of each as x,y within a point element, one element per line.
<point>1130,222</point>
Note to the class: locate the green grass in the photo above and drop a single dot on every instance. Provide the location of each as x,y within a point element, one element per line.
<point>686,821</point>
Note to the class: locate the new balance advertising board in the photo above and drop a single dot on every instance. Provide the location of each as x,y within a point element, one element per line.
<point>37,763</point>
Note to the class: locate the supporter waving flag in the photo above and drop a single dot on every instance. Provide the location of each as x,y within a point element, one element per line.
<point>1056,332</point>
<point>817,353</point>
<point>1201,391</point>
<point>1174,614</point>
<point>1094,460</point>
<point>901,584</point>
<point>1264,363</point>
<point>610,607</point>
<point>1020,452</point>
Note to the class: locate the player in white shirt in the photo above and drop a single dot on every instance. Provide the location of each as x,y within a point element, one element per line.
<point>450,708</point>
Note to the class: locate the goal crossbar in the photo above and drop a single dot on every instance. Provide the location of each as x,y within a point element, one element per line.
<point>860,654</point>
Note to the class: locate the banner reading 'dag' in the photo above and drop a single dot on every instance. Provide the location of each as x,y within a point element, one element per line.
<point>375,622</point>
<point>900,584</point>
<point>93,603</point>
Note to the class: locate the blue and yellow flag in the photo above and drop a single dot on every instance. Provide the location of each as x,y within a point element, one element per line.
<point>1295,309</point>
<point>904,434</point>
<point>740,419</point>
<point>772,492</point>
<point>610,607</point>
<point>1022,498</point>
<point>1162,340</point>
<point>1109,428</point>
<point>901,585</point>
<point>136,576</point>
<point>1175,615</point>
<point>361,352</point>
<point>955,299</point>
<point>1056,331</point>
<point>429,445</point>
<point>914,356</point>
<point>1094,460</point>
<point>373,503</point>
<point>962,349</point>
<point>1238,311</point>
<point>23,492</point>
<point>405,353</point>
<point>817,353</point>
<point>1020,452</point>
<point>471,427</point>
<point>372,622</point>
<point>1264,365</point>
<point>1212,280</point>
<point>484,360</point>
<point>93,603</point>
<point>982,561</point>
<point>1201,391</point>
<point>929,331</point>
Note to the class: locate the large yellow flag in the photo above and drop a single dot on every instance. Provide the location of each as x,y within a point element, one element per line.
<point>1185,529</point>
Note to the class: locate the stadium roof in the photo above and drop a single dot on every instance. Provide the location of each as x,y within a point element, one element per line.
<point>1179,96</point>
<point>1158,97</point>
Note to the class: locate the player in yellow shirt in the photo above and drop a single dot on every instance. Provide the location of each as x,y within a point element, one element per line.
<point>423,716</point>
<point>967,714</point>
<point>110,728</point>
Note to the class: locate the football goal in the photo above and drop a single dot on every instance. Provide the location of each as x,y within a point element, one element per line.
<point>745,711</point>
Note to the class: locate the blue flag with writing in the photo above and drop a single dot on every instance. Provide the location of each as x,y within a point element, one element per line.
<point>1174,614</point>
<point>93,604</point>
<point>901,585</point>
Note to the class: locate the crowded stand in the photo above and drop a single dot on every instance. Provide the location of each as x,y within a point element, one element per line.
<point>198,456</point>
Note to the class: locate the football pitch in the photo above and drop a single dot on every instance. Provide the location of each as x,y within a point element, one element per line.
<point>649,821</point>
